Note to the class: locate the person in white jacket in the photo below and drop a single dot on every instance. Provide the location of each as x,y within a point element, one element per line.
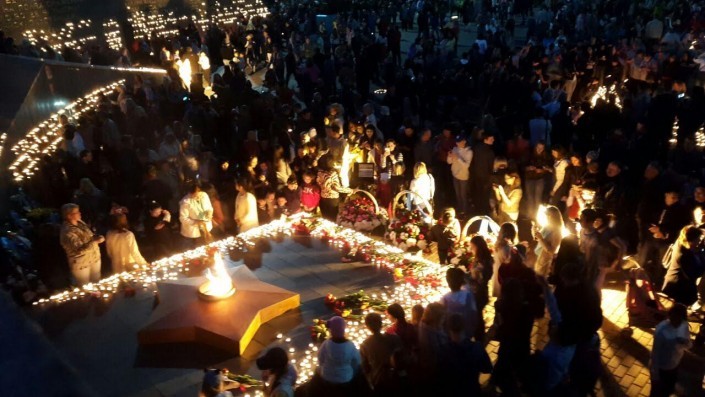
<point>245,207</point>
<point>671,339</point>
<point>195,215</point>
<point>459,159</point>
<point>423,184</point>
<point>121,245</point>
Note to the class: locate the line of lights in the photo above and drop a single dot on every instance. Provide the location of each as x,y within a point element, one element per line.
<point>603,93</point>
<point>72,35</point>
<point>3,138</point>
<point>423,287</point>
<point>46,137</point>
<point>166,24</point>
<point>113,37</point>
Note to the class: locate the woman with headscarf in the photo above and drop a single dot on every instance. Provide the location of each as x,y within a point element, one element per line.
<point>339,363</point>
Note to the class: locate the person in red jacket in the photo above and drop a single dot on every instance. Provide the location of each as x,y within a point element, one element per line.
<point>310,193</point>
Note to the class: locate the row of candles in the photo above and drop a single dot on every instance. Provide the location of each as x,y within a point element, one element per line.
<point>3,138</point>
<point>46,137</point>
<point>113,36</point>
<point>699,135</point>
<point>77,35</point>
<point>72,35</point>
<point>383,256</point>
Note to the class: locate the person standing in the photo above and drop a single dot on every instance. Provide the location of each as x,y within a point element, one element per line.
<point>423,185</point>
<point>481,170</point>
<point>459,159</point>
<point>245,206</point>
<point>81,246</point>
<point>376,351</point>
<point>535,173</point>
<point>195,214</point>
<point>671,339</point>
<point>467,359</point>
<point>121,245</point>
<point>331,187</point>
<point>548,239</point>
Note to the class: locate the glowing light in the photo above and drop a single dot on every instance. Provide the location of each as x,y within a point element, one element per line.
<point>603,92</point>
<point>219,283</point>
<point>184,68</point>
<point>541,218</point>
<point>46,137</point>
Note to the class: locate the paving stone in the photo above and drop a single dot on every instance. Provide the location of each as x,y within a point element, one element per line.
<point>634,370</point>
<point>633,390</point>
<point>620,371</point>
<point>641,380</point>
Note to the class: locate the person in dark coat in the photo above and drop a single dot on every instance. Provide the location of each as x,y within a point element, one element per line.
<point>687,264</point>
<point>481,170</point>
<point>664,232</point>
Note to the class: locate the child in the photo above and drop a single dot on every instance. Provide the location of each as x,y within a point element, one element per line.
<point>310,193</point>
<point>292,195</point>
<point>445,233</point>
<point>265,206</point>
<point>281,210</point>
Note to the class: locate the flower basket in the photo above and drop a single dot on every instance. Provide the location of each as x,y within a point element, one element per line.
<point>361,212</point>
<point>484,226</point>
<point>409,227</point>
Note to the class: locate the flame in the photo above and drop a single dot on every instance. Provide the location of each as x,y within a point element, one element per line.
<point>219,283</point>
<point>184,66</point>
<point>541,218</point>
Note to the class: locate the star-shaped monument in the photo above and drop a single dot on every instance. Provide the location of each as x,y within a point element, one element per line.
<point>228,324</point>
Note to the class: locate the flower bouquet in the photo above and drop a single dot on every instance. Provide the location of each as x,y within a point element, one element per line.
<point>319,331</point>
<point>460,255</point>
<point>361,212</point>
<point>353,305</point>
<point>408,230</point>
<point>304,226</point>
<point>245,381</point>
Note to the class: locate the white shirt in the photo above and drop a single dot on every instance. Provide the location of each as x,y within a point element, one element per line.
<point>667,351</point>
<point>192,210</point>
<point>424,186</point>
<point>246,211</point>
<point>123,250</point>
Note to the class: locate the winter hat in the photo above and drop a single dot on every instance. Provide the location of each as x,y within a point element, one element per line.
<point>336,326</point>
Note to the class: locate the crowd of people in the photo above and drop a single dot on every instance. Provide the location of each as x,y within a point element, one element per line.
<point>523,134</point>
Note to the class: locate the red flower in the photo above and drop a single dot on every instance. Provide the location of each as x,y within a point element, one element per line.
<point>421,237</point>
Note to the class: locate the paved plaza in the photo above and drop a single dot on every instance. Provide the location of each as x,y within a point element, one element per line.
<point>99,339</point>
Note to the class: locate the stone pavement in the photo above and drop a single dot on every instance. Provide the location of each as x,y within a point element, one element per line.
<point>98,339</point>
